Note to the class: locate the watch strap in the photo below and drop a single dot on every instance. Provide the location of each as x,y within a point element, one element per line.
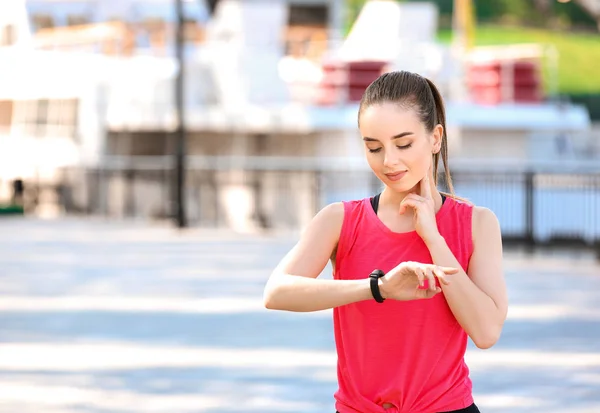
<point>374,281</point>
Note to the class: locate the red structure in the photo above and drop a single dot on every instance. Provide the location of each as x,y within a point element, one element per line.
<point>505,82</point>
<point>345,82</point>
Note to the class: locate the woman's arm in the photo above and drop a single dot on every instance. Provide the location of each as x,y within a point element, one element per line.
<point>478,300</point>
<point>293,285</point>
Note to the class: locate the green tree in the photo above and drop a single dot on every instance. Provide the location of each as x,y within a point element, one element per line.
<point>533,13</point>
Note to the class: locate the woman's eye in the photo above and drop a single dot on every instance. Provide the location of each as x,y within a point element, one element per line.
<point>399,147</point>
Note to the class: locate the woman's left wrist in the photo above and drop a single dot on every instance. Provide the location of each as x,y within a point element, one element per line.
<point>434,239</point>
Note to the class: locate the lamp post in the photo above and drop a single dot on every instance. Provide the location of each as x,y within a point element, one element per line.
<point>180,135</point>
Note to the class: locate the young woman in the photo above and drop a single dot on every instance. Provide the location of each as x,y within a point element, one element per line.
<point>416,271</point>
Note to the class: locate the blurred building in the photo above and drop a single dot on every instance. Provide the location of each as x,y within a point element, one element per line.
<point>87,108</point>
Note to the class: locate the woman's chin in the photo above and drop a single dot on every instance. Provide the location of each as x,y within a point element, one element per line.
<point>400,186</point>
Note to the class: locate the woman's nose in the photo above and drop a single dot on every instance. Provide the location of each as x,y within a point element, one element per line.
<point>390,160</point>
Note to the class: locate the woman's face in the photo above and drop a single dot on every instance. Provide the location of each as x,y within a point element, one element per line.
<point>398,147</point>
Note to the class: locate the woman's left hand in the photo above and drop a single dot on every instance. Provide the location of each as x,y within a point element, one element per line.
<point>424,210</point>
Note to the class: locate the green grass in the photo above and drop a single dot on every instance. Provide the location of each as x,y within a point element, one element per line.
<point>579,54</point>
<point>11,210</point>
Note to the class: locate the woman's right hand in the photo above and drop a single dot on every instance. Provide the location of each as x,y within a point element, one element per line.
<point>407,281</point>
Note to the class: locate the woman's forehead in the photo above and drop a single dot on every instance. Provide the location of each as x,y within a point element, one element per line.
<point>389,117</point>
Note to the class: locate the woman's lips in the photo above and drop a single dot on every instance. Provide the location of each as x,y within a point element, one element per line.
<point>396,175</point>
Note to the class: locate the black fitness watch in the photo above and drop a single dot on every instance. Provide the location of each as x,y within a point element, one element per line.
<point>374,280</point>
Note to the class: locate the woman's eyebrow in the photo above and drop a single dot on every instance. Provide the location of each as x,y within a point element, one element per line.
<point>398,136</point>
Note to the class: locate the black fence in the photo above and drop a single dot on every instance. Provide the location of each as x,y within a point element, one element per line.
<point>534,208</point>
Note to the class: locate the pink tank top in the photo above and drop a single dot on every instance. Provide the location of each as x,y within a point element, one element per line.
<point>409,354</point>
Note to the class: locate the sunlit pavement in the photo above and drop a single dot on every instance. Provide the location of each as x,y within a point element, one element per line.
<point>98,317</point>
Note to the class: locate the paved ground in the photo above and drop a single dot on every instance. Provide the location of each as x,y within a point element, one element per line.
<point>98,317</point>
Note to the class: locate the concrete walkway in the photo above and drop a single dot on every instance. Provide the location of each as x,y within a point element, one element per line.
<point>103,317</point>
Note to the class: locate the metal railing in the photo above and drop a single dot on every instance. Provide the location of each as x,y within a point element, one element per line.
<point>539,205</point>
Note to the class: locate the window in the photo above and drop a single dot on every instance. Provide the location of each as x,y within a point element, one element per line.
<point>42,21</point>
<point>77,20</point>
<point>45,118</point>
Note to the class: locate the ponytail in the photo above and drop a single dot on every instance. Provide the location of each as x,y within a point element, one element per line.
<point>440,119</point>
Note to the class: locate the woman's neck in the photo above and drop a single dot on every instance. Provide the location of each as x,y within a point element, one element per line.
<point>391,198</point>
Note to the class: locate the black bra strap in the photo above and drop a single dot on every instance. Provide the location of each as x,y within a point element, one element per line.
<point>375,202</point>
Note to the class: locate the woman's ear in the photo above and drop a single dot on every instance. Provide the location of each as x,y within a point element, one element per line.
<point>438,133</point>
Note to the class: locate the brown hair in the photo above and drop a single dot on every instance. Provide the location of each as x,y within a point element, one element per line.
<point>411,90</point>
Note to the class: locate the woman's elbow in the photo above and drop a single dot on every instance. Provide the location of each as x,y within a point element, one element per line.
<point>269,298</point>
<point>485,344</point>
<point>271,303</point>
<point>272,296</point>
<point>487,340</point>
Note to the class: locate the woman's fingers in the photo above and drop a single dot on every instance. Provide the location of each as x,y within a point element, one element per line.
<point>440,273</point>
<point>407,202</point>
<point>420,272</point>
<point>427,293</point>
<point>430,272</point>
<point>449,270</point>
<point>431,279</point>
<point>441,276</point>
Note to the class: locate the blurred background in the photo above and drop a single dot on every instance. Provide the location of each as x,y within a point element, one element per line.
<point>263,133</point>
<point>123,122</point>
